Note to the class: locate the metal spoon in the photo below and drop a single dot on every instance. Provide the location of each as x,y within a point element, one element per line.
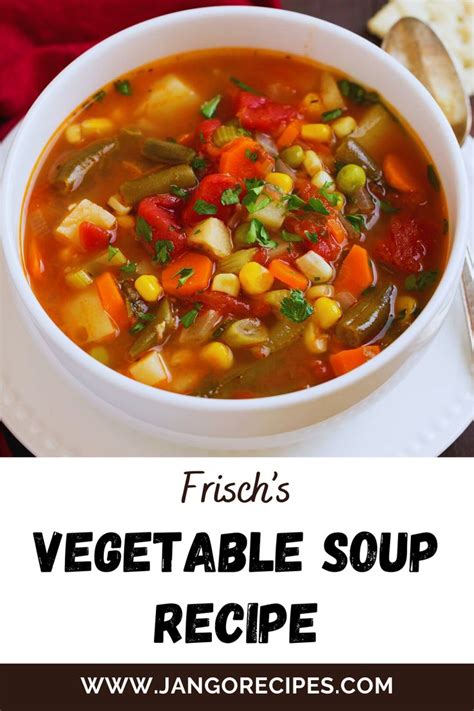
<point>420,50</point>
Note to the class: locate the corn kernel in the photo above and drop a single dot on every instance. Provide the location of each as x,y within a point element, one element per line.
<point>96,127</point>
<point>226,283</point>
<point>281,180</point>
<point>149,287</point>
<point>312,106</point>
<point>319,132</point>
<point>218,356</point>
<point>74,133</point>
<point>314,340</point>
<point>312,163</point>
<point>255,278</point>
<point>322,179</point>
<point>343,126</point>
<point>126,222</point>
<point>314,292</point>
<point>327,312</point>
<point>405,306</point>
<point>117,205</point>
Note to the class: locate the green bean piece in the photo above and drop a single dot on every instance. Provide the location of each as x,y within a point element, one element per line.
<point>135,190</point>
<point>71,173</point>
<point>283,334</point>
<point>366,319</point>
<point>167,152</point>
<point>245,333</point>
<point>350,151</point>
<point>147,339</point>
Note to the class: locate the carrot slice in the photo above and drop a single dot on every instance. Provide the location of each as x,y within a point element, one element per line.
<point>112,299</point>
<point>355,274</point>
<point>398,174</point>
<point>289,134</point>
<point>185,276</point>
<point>286,274</point>
<point>337,229</point>
<point>345,361</point>
<point>245,158</point>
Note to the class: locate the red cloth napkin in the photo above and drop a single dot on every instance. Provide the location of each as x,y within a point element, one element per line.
<point>40,37</point>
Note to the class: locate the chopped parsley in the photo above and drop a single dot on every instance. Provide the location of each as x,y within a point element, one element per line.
<point>254,184</point>
<point>357,93</point>
<point>124,87</point>
<point>357,221</point>
<point>139,326</point>
<point>231,196</point>
<point>209,108</point>
<point>331,115</point>
<point>293,202</point>
<point>144,229</point>
<point>316,205</point>
<point>433,177</point>
<point>386,206</point>
<point>257,234</point>
<point>330,197</point>
<point>198,163</point>
<point>189,317</point>
<point>129,268</point>
<point>111,252</point>
<point>254,188</point>
<point>295,307</point>
<point>202,207</point>
<point>312,236</point>
<point>143,318</point>
<point>258,203</point>
<point>184,274</point>
<point>163,249</point>
<point>244,87</point>
<point>178,192</point>
<point>290,237</point>
<point>418,282</point>
<point>251,155</point>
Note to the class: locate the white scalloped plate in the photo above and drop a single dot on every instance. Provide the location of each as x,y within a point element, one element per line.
<point>53,415</point>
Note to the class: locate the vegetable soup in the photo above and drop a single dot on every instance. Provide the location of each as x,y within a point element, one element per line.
<point>234,224</point>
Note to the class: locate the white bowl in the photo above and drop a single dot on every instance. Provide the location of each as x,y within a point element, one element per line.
<point>238,423</point>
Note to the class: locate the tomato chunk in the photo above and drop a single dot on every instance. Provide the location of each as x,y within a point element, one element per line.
<point>157,213</point>
<point>210,191</point>
<point>407,243</point>
<point>92,237</point>
<point>231,306</point>
<point>257,113</point>
<point>316,236</point>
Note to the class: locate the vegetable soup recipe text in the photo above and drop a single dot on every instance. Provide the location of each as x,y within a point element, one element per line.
<point>234,224</point>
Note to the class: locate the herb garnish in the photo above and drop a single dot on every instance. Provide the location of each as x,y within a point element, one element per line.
<point>295,307</point>
<point>202,207</point>
<point>330,197</point>
<point>231,196</point>
<point>433,177</point>
<point>316,205</point>
<point>198,163</point>
<point>189,317</point>
<point>357,221</point>
<point>129,268</point>
<point>293,202</point>
<point>178,192</point>
<point>144,229</point>
<point>111,252</point>
<point>163,249</point>
<point>254,184</point>
<point>357,93</point>
<point>290,237</point>
<point>257,234</point>
<point>418,282</point>
<point>331,115</point>
<point>124,87</point>
<point>251,155</point>
<point>244,87</point>
<point>184,274</point>
<point>312,236</point>
<point>209,108</point>
<point>143,318</point>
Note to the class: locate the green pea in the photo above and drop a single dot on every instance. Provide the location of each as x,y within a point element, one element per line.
<point>350,178</point>
<point>240,235</point>
<point>292,156</point>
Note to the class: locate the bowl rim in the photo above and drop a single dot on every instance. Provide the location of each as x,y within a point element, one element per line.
<point>123,383</point>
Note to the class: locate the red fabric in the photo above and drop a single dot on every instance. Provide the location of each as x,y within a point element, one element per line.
<point>40,37</point>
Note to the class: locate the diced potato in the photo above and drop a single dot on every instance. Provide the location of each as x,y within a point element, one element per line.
<point>85,211</point>
<point>150,370</point>
<point>212,236</point>
<point>330,94</point>
<point>375,125</point>
<point>315,267</point>
<point>85,320</point>
<point>93,127</point>
<point>272,215</point>
<point>169,95</point>
<point>73,133</point>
